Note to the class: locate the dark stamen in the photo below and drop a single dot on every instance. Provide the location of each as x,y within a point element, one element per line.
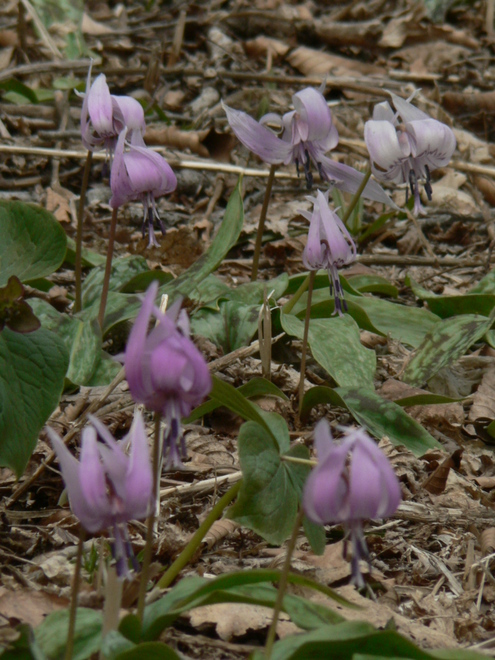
<point>413,181</point>
<point>428,188</point>
<point>307,171</point>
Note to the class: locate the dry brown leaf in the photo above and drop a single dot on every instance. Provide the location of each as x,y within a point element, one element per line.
<point>207,143</point>
<point>487,541</point>
<point>262,45</point>
<point>432,57</point>
<point>437,481</point>
<point>234,620</point>
<point>353,33</point>
<point>218,531</point>
<point>331,565</point>
<point>471,103</point>
<point>312,62</point>
<point>484,398</point>
<point>486,187</point>
<point>94,28</point>
<point>58,201</point>
<point>29,606</point>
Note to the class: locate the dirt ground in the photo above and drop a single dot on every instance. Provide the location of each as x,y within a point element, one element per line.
<point>432,561</point>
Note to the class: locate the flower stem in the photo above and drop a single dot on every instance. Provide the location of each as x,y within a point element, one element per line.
<point>187,554</point>
<point>113,600</point>
<point>261,223</point>
<point>69,649</point>
<point>282,586</point>
<point>145,570</point>
<point>305,339</point>
<point>108,269</point>
<point>79,232</point>
<point>287,308</point>
<point>357,195</point>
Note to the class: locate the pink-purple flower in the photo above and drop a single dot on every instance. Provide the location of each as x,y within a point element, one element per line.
<point>407,151</point>
<point>329,245</point>
<point>307,134</point>
<point>104,116</point>
<point>352,482</point>
<point>164,369</point>
<point>140,174</point>
<point>107,487</point>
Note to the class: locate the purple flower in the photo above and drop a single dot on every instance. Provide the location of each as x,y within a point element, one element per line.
<point>104,116</point>
<point>407,152</point>
<point>165,370</point>
<point>329,245</point>
<point>306,135</point>
<point>106,487</point>
<point>140,174</point>
<point>352,482</point>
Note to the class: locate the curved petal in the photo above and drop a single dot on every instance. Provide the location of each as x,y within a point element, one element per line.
<point>148,171</point>
<point>132,113</point>
<point>407,111</point>
<point>139,478</point>
<point>71,472</point>
<point>136,346</point>
<point>314,117</point>
<point>383,112</point>
<point>348,179</point>
<point>342,250</point>
<point>434,142</point>
<point>100,107</point>
<point>93,482</point>
<point>326,489</point>
<point>257,138</point>
<point>119,179</point>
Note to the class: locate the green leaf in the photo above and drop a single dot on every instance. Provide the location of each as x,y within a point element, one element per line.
<point>141,282</point>
<point>315,535</point>
<point>32,370</point>
<point>444,344</point>
<point>254,388</point>
<point>227,395</point>
<point>105,371</point>
<point>123,271</point>
<point>480,300</point>
<point>342,641</point>
<point>373,284</point>
<point>335,344</point>
<point>385,418</point>
<point>485,285</point>
<point>232,327</point>
<point>269,497</point>
<point>51,635</point>
<point>225,239</point>
<point>89,258</point>
<point>15,313</point>
<point>149,651</point>
<point>379,416</point>
<point>252,293</point>
<point>20,89</point>
<point>32,242</point>
<point>426,399</point>
<point>24,647</point>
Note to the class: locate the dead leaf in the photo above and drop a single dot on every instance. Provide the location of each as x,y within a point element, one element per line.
<point>484,398</point>
<point>262,46</point>
<point>58,201</point>
<point>437,481</point>
<point>218,531</point>
<point>29,606</point>
<point>94,28</point>
<point>487,541</point>
<point>353,33</point>
<point>207,143</point>
<point>312,62</point>
<point>470,103</point>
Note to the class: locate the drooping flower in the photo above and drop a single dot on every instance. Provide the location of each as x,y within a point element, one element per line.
<point>164,369</point>
<point>329,245</point>
<point>140,174</point>
<point>104,116</point>
<point>107,488</point>
<point>407,152</point>
<point>352,482</point>
<point>307,133</point>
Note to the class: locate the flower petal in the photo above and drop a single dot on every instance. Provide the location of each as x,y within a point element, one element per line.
<point>257,138</point>
<point>387,156</point>
<point>139,478</point>
<point>434,142</point>
<point>100,107</point>
<point>119,179</point>
<point>407,111</point>
<point>314,117</point>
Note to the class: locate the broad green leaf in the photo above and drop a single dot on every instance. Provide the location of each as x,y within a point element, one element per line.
<point>271,488</point>
<point>225,239</point>
<point>335,344</point>
<point>444,344</point>
<point>378,415</point>
<point>32,370</point>
<point>114,643</point>
<point>373,284</point>
<point>232,327</point>
<point>342,641</point>
<point>24,647</point>
<point>32,242</point>
<point>105,371</point>
<point>315,535</point>
<point>123,271</point>
<point>18,88</point>
<point>227,395</point>
<point>149,651</point>
<point>254,388</point>
<point>480,300</point>
<point>241,587</point>
<point>485,285</point>
<point>140,282</point>
<point>253,292</point>
<point>426,399</point>
<point>89,258</point>
<point>51,635</point>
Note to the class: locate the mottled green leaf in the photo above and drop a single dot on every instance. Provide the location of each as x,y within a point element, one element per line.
<point>123,271</point>
<point>443,345</point>
<point>232,327</point>
<point>373,284</point>
<point>32,242</point>
<point>51,634</point>
<point>335,344</point>
<point>32,370</point>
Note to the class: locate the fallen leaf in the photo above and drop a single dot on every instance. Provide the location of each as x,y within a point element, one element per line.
<point>316,62</point>
<point>29,606</point>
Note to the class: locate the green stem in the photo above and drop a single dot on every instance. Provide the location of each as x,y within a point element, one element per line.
<point>69,649</point>
<point>187,554</point>
<point>79,232</point>
<point>287,308</point>
<point>108,269</point>
<point>282,586</point>
<point>261,223</point>
<point>145,570</point>
<point>312,276</point>
<point>299,461</point>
